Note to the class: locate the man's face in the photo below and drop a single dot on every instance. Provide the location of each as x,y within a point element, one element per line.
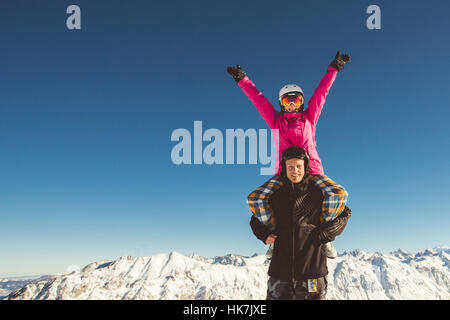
<point>295,170</point>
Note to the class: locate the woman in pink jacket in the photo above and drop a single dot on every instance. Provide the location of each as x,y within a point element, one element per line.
<point>295,126</point>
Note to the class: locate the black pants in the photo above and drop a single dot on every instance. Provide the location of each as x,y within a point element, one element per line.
<point>287,290</point>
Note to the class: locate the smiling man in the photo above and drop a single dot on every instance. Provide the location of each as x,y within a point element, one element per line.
<point>295,169</point>
<point>298,267</point>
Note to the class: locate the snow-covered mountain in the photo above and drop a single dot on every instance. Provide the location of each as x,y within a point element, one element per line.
<point>10,284</point>
<point>353,275</point>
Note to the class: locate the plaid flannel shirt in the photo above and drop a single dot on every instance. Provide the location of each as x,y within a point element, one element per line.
<point>335,199</point>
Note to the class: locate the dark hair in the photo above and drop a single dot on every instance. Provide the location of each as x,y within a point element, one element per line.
<point>294,152</point>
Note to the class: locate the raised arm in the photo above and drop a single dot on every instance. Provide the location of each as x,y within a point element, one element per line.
<point>315,104</point>
<point>261,103</point>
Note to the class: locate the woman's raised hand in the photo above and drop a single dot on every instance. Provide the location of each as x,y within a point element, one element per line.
<point>236,72</point>
<point>340,60</point>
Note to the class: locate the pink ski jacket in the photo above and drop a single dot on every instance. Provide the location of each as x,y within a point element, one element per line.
<point>294,128</point>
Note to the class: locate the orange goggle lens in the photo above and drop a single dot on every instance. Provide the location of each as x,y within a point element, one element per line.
<point>296,99</point>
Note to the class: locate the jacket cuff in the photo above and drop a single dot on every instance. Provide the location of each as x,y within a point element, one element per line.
<point>333,68</point>
<point>264,237</point>
<point>318,237</point>
<point>243,80</point>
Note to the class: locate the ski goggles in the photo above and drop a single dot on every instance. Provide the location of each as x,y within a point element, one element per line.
<point>296,99</point>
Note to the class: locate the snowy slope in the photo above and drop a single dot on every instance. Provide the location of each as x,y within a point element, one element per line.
<point>353,275</point>
<point>7,285</point>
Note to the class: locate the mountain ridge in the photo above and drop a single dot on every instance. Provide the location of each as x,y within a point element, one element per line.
<point>354,274</point>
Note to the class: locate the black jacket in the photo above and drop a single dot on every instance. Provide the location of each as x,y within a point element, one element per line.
<point>299,251</point>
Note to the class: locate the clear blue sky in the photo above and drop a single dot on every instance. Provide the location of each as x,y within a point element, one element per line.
<point>86,118</point>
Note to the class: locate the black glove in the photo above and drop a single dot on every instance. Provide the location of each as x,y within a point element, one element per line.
<point>328,231</point>
<point>236,72</point>
<point>340,60</point>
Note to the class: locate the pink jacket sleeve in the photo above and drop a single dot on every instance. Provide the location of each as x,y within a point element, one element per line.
<point>315,104</point>
<point>261,103</point>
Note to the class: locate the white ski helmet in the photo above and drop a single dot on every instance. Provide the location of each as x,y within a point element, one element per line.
<point>289,88</point>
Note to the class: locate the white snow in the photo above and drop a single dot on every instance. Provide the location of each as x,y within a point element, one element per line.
<point>353,275</point>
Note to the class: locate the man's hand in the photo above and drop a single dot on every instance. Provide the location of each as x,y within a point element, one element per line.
<point>236,72</point>
<point>340,60</point>
<point>271,238</point>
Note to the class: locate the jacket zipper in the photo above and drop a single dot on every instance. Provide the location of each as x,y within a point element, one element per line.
<point>293,253</point>
<point>293,242</point>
